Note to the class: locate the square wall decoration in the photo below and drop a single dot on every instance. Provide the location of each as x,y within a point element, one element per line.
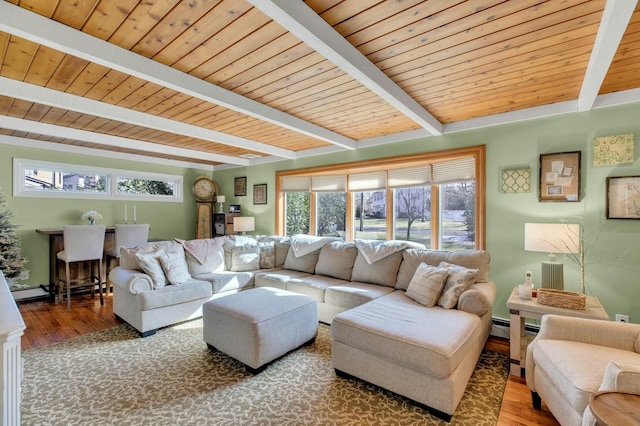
<point>514,181</point>
<point>612,150</point>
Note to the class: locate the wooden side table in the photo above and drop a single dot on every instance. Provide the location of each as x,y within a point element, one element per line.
<point>520,309</point>
<point>612,408</point>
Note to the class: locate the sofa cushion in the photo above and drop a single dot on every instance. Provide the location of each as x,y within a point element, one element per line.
<point>207,256</point>
<point>175,268</point>
<point>245,258</point>
<point>170,295</point>
<point>354,294</point>
<point>277,279</point>
<point>281,244</point>
<point>398,329</point>
<point>472,259</point>
<point>427,284</point>
<point>267,254</point>
<point>383,272</point>
<point>149,263</point>
<point>577,369</point>
<point>336,260</point>
<point>313,286</point>
<point>128,255</point>
<point>459,280</point>
<point>227,280</point>
<point>306,263</point>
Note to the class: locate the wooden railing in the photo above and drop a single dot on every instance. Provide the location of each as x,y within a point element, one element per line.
<point>11,329</point>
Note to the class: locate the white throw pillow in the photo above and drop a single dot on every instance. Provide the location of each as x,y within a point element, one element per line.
<point>267,255</point>
<point>245,258</point>
<point>175,268</point>
<point>427,284</point>
<point>150,264</point>
<point>459,280</point>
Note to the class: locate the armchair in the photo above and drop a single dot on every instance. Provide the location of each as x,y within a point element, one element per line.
<point>566,362</point>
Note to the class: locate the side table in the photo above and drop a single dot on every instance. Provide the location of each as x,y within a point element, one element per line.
<point>611,408</point>
<point>520,309</point>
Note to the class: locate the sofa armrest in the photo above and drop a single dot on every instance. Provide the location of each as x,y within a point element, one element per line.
<point>592,331</point>
<point>478,299</point>
<point>129,280</point>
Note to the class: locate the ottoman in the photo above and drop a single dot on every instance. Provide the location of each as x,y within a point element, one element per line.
<point>259,325</point>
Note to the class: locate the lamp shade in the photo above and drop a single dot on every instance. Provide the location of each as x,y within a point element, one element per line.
<point>552,237</point>
<point>244,223</point>
<point>220,198</point>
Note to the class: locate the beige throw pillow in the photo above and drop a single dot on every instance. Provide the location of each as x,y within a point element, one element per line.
<point>427,284</point>
<point>150,264</point>
<point>175,268</point>
<point>459,280</point>
<point>267,255</point>
<point>245,258</point>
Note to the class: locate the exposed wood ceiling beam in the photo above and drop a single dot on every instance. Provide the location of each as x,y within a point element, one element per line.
<point>31,26</point>
<point>614,22</point>
<point>102,153</point>
<point>45,96</point>
<point>304,23</point>
<point>36,127</point>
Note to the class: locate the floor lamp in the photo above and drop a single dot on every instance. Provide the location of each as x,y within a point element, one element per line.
<point>552,238</point>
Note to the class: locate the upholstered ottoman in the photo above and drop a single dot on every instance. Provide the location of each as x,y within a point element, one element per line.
<point>259,325</point>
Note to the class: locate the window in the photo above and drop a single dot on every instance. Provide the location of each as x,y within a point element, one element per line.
<point>436,199</point>
<point>297,212</point>
<point>44,179</point>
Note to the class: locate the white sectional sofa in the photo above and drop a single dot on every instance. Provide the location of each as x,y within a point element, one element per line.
<point>384,330</point>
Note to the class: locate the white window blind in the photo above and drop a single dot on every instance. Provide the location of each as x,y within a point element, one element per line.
<point>410,176</point>
<point>335,183</point>
<point>369,181</point>
<point>295,184</point>
<point>454,170</point>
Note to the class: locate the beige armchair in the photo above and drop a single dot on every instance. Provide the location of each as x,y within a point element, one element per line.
<point>566,362</point>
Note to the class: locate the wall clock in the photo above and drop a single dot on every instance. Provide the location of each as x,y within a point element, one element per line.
<point>204,190</point>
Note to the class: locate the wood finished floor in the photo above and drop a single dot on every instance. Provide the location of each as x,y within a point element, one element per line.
<point>48,323</point>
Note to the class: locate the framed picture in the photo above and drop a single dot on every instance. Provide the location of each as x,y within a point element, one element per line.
<point>560,177</point>
<point>623,197</point>
<point>240,186</point>
<point>260,193</point>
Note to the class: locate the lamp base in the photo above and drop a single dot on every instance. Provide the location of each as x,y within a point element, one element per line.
<point>552,275</point>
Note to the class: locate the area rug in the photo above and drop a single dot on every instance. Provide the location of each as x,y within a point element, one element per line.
<point>172,378</point>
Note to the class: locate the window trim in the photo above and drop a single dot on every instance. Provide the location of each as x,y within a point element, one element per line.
<point>113,175</point>
<point>478,152</point>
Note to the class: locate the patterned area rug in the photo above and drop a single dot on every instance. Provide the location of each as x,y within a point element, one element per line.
<point>172,378</point>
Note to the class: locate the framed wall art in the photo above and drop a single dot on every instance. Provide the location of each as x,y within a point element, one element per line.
<point>613,150</point>
<point>560,177</point>
<point>240,186</point>
<point>623,197</point>
<point>260,193</point>
<point>515,181</point>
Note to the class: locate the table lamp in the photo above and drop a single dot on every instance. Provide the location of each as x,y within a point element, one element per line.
<point>220,200</point>
<point>552,238</point>
<point>244,224</point>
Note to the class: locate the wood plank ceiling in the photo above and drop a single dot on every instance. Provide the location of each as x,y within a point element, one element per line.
<point>221,81</point>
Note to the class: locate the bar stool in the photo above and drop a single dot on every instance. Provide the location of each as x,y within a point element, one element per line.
<point>82,243</point>
<point>125,235</point>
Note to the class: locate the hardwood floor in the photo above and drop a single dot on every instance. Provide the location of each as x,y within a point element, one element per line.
<point>48,323</point>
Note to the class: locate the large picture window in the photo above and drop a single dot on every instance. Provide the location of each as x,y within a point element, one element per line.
<point>436,199</point>
<point>34,178</point>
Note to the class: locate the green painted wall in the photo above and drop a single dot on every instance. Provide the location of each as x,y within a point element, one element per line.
<point>167,220</point>
<point>614,246</point>
<point>612,263</point>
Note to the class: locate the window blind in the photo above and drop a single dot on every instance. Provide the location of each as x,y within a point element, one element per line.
<point>335,183</point>
<point>295,184</point>
<point>410,176</point>
<point>369,181</point>
<point>454,170</point>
